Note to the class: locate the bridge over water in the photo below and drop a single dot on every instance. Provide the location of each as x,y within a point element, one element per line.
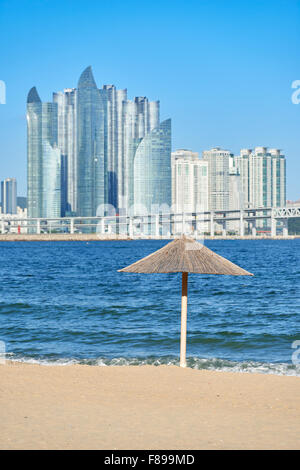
<point>234,222</point>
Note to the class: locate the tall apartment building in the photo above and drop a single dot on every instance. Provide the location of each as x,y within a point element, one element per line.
<point>67,142</point>
<point>91,164</point>
<point>9,196</point>
<point>99,134</point>
<point>141,117</point>
<point>189,182</point>
<point>113,100</point>
<point>43,195</point>
<point>152,171</point>
<point>218,161</point>
<point>263,177</point>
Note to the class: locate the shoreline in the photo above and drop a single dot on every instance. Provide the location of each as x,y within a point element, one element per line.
<point>282,369</point>
<point>95,237</point>
<point>146,407</point>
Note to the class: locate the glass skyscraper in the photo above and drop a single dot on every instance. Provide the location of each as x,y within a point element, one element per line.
<point>113,100</point>
<point>152,170</point>
<point>51,192</point>
<point>90,146</point>
<point>98,133</point>
<point>67,142</point>
<point>41,137</point>
<point>140,118</point>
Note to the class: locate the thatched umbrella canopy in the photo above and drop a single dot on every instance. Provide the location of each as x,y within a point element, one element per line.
<point>185,255</point>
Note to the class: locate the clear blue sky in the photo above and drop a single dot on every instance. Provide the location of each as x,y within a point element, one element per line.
<point>222,69</point>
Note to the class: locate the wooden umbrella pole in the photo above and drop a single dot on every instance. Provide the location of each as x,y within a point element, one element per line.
<point>183,319</point>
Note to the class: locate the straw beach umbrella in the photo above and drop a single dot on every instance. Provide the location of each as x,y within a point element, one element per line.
<point>185,255</point>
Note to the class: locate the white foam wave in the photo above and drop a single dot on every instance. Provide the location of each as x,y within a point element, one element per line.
<point>192,362</point>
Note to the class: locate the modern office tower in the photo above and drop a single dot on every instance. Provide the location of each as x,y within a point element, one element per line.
<point>41,136</point>
<point>113,100</point>
<point>140,118</point>
<point>9,196</point>
<point>263,176</point>
<point>152,171</point>
<point>90,146</point>
<point>67,143</point>
<point>189,182</point>
<point>218,178</point>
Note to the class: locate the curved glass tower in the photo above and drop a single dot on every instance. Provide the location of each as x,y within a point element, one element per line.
<point>41,135</point>
<point>67,142</point>
<point>34,161</point>
<point>140,118</point>
<point>152,169</point>
<point>90,146</point>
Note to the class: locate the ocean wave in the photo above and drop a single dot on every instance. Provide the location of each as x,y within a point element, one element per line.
<point>214,364</point>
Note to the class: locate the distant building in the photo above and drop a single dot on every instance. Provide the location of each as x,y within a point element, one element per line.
<point>67,142</point>
<point>218,178</point>
<point>152,170</point>
<point>113,102</point>
<point>42,154</point>
<point>9,196</point>
<point>90,146</point>
<point>189,182</point>
<point>263,177</point>
<point>22,202</point>
<point>293,203</point>
<point>141,117</point>
<point>51,192</point>
<point>97,134</point>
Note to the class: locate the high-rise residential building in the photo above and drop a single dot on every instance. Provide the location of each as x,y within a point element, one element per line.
<point>41,145</point>
<point>51,174</point>
<point>90,146</point>
<point>241,163</point>
<point>9,196</point>
<point>67,143</point>
<point>140,118</point>
<point>98,134</point>
<point>189,182</point>
<point>113,100</point>
<point>263,177</point>
<point>218,178</point>
<point>152,171</point>
<point>278,178</point>
<point>236,196</point>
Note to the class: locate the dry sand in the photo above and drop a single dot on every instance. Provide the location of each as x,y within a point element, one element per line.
<point>145,407</point>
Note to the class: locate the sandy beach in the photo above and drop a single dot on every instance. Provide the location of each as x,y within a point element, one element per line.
<point>145,407</point>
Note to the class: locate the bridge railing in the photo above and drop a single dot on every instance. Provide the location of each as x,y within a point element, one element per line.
<point>157,225</point>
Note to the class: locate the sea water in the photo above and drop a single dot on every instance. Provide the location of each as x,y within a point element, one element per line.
<point>66,302</point>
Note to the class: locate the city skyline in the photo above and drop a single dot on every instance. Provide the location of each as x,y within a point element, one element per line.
<point>222,87</point>
<point>91,149</point>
